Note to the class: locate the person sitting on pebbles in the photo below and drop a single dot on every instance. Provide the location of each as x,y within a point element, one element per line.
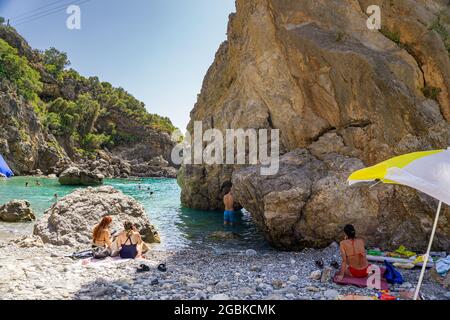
<point>129,242</point>
<point>353,252</point>
<point>101,238</point>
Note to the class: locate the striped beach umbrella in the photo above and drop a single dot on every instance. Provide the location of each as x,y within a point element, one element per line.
<point>427,171</point>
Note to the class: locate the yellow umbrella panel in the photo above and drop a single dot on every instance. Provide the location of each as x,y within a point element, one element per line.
<point>427,171</point>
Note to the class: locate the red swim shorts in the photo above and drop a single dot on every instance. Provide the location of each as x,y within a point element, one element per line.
<point>359,273</point>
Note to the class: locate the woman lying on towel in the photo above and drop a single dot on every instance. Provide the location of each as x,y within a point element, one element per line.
<point>129,242</point>
<point>101,238</point>
<point>353,252</point>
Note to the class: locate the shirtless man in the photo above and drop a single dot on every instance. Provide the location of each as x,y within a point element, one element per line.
<point>228,201</point>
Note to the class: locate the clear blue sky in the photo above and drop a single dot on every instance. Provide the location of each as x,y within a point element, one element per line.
<point>158,50</point>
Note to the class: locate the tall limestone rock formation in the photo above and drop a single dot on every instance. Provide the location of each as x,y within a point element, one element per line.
<point>343,97</point>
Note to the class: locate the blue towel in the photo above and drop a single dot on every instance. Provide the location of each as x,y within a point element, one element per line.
<point>391,274</point>
<point>443,265</point>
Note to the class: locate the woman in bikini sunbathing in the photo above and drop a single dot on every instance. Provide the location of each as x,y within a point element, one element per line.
<point>101,237</point>
<point>353,252</point>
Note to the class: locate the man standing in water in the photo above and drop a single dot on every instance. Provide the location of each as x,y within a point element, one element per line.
<point>229,216</point>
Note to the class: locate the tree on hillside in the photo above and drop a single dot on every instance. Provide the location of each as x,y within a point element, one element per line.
<point>89,110</point>
<point>2,20</point>
<point>16,69</point>
<point>70,117</point>
<point>63,117</point>
<point>55,61</point>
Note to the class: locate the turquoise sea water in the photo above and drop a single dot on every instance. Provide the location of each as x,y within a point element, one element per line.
<point>179,227</point>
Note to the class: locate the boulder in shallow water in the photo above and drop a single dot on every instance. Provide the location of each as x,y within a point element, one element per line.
<point>76,176</point>
<point>71,220</point>
<point>16,211</point>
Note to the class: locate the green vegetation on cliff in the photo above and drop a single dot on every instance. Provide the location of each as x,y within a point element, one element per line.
<point>84,114</point>
<point>442,32</point>
<point>55,62</point>
<point>76,119</point>
<point>17,70</point>
<point>117,99</point>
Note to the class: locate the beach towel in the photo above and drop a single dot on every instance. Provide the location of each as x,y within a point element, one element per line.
<point>92,262</point>
<point>402,251</point>
<point>361,282</point>
<point>413,260</point>
<point>375,253</point>
<point>443,266</point>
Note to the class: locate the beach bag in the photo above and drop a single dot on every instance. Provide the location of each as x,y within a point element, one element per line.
<point>82,254</point>
<point>392,275</point>
<point>100,253</point>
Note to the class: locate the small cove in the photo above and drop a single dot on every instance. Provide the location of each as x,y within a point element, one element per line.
<point>179,227</point>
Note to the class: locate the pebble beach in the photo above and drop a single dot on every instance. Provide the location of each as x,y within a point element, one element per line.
<point>43,272</point>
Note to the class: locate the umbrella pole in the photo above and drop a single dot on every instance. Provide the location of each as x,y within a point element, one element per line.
<point>427,255</point>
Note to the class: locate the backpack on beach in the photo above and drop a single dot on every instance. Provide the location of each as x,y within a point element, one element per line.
<point>391,274</point>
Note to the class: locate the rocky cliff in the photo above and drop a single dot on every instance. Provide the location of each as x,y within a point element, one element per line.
<point>343,97</point>
<point>23,142</point>
<point>52,118</point>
